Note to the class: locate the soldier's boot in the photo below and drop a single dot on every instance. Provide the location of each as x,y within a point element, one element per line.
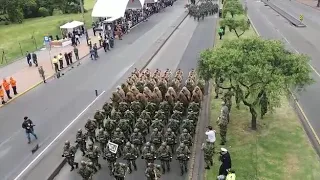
<point>72,168</point>
<point>134,165</point>
<point>83,152</point>
<point>168,166</point>
<point>185,167</point>
<point>181,170</point>
<point>163,167</point>
<point>77,165</point>
<point>110,168</point>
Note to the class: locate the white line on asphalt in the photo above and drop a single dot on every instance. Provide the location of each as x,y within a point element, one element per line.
<point>60,134</point>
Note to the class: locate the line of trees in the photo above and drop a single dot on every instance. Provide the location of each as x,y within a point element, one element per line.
<point>258,72</point>
<point>17,10</point>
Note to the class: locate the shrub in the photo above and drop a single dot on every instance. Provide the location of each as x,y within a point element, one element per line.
<point>43,12</point>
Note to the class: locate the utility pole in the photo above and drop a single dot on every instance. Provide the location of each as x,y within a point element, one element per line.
<point>82,11</point>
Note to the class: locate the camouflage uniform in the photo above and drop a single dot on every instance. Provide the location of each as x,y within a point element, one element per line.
<point>110,157</point>
<point>123,106</point>
<point>223,122</point>
<point>157,124</point>
<point>178,106</point>
<point>147,116</point>
<point>183,153</point>
<point>195,107</point>
<point>156,138</point>
<point>81,141</point>
<point>185,138</point>
<point>116,116</point>
<point>152,171</point>
<point>91,128</point>
<point>69,153</point>
<point>93,154</point>
<point>99,117</point>
<point>107,107</point>
<point>110,126</point>
<point>193,116</point>
<point>166,108</point>
<point>119,171</point>
<point>151,107</point>
<point>177,115</point>
<point>228,99</point>
<point>148,153</point>
<point>125,127</point>
<point>85,172</point>
<point>130,154</point>
<point>130,116</point>
<point>165,156</point>
<point>137,139</point>
<point>171,139</point>
<point>118,138</point>
<point>143,127</point>
<point>103,138</point>
<point>208,152</point>
<point>174,125</point>
<point>189,125</point>
<point>161,116</point>
<point>136,107</point>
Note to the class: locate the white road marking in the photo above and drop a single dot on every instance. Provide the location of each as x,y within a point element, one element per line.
<point>56,138</point>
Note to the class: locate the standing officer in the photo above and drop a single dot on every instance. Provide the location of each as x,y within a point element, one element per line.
<point>28,126</point>
<point>13,84</point>
<point>76,52</point>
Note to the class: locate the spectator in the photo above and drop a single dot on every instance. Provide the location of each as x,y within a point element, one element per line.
<point>35,59</point>
<point>60,58</point>
<point>28,55</point>
<point>28,126</point>
<point>211,134</point>
<point>6,87</point>
<point>70,57</point>
<point>76,52</point>
<point>66,57</point>
<point>225,162</point>
<point>13,84</point>
<point>42,75</point>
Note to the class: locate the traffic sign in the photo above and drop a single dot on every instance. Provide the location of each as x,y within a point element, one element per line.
<point>113,147</point>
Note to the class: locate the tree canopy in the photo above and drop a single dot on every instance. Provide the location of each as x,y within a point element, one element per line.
<point>17,10</point>
<point>256,70</point>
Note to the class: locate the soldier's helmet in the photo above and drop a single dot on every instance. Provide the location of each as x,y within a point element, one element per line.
<point>148,144</point>
<point>90,163</point>
<point>181,144</point>
<point>136,130</point>
<point>83,163</point>
<point>67,143</point>
<point>164,144</point>
<point>128,144</point>
<point>79,130</point>
<point>118,129</point>
<point>155,130</point>
<point>89,120</point>
<point>169,130</point>
<point>150,165</point>
<point>185,131</point>
<point>116,164</point>
<point>101,131</point>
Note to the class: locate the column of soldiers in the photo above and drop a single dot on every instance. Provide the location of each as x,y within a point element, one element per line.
<point>156,102</point>
<point>204,9</point>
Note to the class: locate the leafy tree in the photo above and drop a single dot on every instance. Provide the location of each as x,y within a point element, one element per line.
<point>257,70</point>
<point>239,24</point>
<point>14,10</point>
<point>234,7</point>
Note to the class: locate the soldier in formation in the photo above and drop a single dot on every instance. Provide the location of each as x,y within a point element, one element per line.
<point>223,121</point>
<point>69,153</point>
<point>202,10</point>
<point>157,100</point>
<point>208,152</point>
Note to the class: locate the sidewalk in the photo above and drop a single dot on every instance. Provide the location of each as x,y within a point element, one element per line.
<point>311,3</point>
<point>28,77</point>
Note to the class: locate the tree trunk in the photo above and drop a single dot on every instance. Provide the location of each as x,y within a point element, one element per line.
<point>253,118</point>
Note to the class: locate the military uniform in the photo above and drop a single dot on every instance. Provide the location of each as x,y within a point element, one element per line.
<point>165,156</point>
<point>103,138</point>
<point>208,152</point>
<point>123,106</point>
<point>69,153</point>
<point>148,153</point>
<point>174,125</point>
<point>157,124</point>
<point>136,107</point>
<point>110,126</point>
<point>107,107</point>
<point>177,115</point>
<point>143,127</point>
<point>116,116</point>
<point>166,108</point>
<point>183,153</point>
<point>178,106</point>
<point>118,138</point>
<point>110,157</point>
<point>137,139</point>
<point>189,125</point>
<point>171,139</point>
<point>151,107</point>
<point>161,116</point>
<point>119,171</point>
<point>129,115</point>
<point>185,138</point>
<point>147,116</point>
<point>130,154</point>
<point>81,141</point>
<point>91,128</point>
<point>85,172</point>
<point>156,138</point>
<point>223,122</point>
<point>195,107</point>
<point>125,127</point>
<point>193,116</point>
<point>99,117</point>
<point>152,172</point>
<point>93,154</point>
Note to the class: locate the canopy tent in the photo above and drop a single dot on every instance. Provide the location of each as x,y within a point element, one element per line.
<point>114,8</point>
<point>109,20</point>
<point>151,1</point>
<point>71,25</point>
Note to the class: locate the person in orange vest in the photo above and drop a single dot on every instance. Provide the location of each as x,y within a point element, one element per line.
<point>2,95</point>
<point>13,84</point>
<point>6,87</point>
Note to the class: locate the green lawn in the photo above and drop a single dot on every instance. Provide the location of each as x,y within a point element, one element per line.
<point>15,35</point>
<point>278,150</point>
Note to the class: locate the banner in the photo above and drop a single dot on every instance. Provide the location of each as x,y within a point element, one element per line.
<point>113,147</point>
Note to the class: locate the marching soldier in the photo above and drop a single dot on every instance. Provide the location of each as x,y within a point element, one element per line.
<point>156,138</point>
<point>157,124</point>
<point>165,156</point>
<point>93,154</point>
<point>137,139</point>
<point>223,122</point>
<point>183,153</point>
<point>148,153</point>
<point>85,172</point>
<point>174,125</point>
<point>110,126</point>
<point>91,128</point>
<point>185,138</point>
<point>119,171</point>
<point>107,107</point>
<point>118,138</point>
<point>125,127</point>
<point>81,141</point>
<point>153,171</point>
<point>69,153</point>
<point>143,128</point>
<point>110,157</point>
<point>99,117</point>
<point>170,138</point>
<point>103,138</point>
<point>130,154</point>
<point>208,152</point>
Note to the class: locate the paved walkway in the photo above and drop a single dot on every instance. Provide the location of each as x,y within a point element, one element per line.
<point>28,77</point>
<point>311,3</point>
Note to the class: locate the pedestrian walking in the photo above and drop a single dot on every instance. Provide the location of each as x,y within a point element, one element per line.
<point>92,54</point>
<point>220,33</point>
<point>76,52</point>
<point>35,59</point>
<point>29,127</point>
<point>60,58</point>
<point>6,87</point>
<point>95,48</point>
<point>66,57</point>
<point>77,38</point>
<point>2,95</point>
<point>13,84</point>
<point>70,57</point>
<point>89,43</point>
<point>42,75</point>
<point>28,55</point>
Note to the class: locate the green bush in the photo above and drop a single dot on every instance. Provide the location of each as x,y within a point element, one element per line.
<point>43,12</point>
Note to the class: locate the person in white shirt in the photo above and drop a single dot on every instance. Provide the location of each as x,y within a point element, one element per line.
<point>211,134</point>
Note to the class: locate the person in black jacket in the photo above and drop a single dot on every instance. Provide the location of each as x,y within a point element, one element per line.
<point>28,126</point>
<point>226,162</point>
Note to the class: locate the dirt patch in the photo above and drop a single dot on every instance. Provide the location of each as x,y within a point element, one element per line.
<point>291,166</point>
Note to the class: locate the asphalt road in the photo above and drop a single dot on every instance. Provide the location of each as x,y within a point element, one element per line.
<point>54,105</point>
<point>181,51</point>
<point>303,40</point>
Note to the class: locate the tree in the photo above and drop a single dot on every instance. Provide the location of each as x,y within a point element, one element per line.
<point>234,7</point>
<point>14,10</point>
<point>256,70</point>
<point>239,24</point>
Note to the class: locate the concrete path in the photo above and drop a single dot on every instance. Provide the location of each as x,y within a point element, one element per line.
<point>71,100</point>
<point>271,25</point>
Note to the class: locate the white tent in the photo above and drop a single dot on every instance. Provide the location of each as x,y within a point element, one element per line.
<point>114,8</point>
<point>71,25</point>
<point>151,1</point>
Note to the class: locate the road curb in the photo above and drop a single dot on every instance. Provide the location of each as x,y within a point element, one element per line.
<point>316,8</point>
<point>149,56</point>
